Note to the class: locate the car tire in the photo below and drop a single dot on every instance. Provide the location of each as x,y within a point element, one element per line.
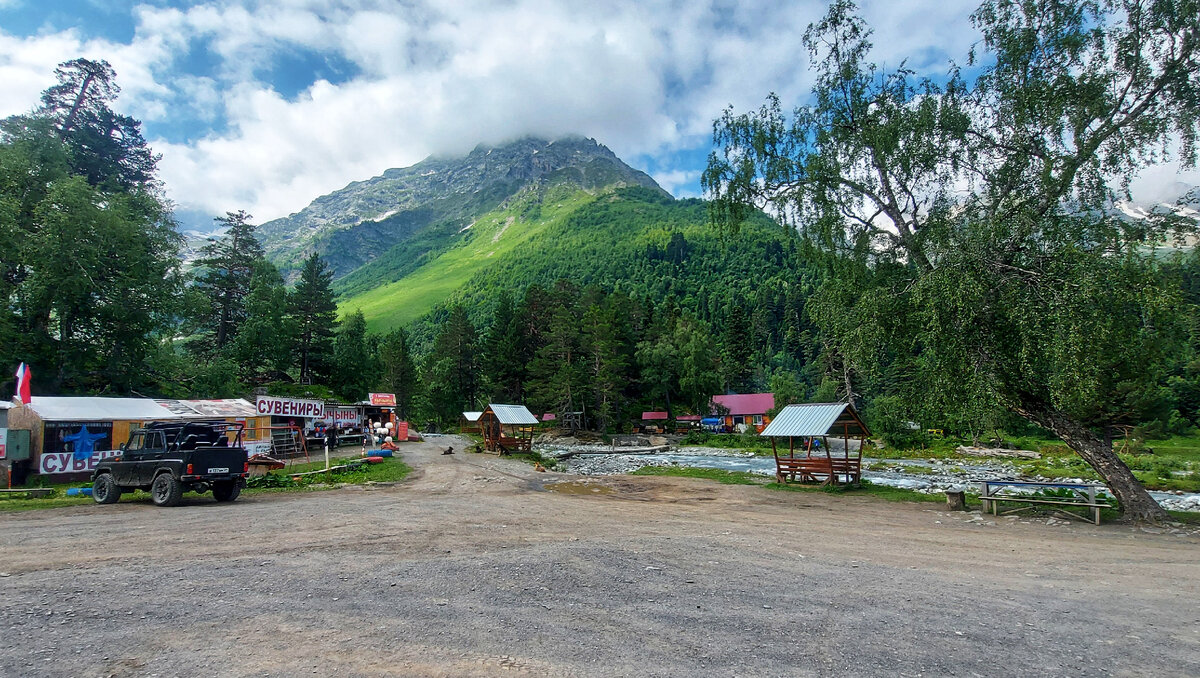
<point>165,490</point>
<point>226,491</point>
<point>105,490</point>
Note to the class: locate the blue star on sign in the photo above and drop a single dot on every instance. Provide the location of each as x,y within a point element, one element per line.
<point>85,443</point>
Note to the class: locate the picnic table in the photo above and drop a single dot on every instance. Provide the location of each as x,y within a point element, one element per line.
<point>992,492</point>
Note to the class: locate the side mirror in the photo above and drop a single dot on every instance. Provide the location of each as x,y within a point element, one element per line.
<point>123,447</point>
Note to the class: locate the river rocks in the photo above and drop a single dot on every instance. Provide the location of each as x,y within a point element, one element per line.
<point>970,451</point>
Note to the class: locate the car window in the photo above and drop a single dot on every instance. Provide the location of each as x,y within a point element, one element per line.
<point>155,441</point>
<point>135,442</point>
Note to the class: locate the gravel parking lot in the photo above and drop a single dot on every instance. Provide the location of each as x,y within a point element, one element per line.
<point>478,566</point>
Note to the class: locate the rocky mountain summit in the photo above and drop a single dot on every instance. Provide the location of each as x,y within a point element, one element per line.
<point>353,226</point>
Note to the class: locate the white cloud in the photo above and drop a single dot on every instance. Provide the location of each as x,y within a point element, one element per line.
<point>676,182</point>
<point>645,78</point>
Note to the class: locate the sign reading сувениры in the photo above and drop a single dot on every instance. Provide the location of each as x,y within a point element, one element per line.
<point>290,407</point>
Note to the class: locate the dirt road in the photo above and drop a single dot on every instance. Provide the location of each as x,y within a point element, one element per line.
<point>478,566</point>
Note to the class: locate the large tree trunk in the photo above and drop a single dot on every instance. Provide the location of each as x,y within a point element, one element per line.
<point>1136,502</point>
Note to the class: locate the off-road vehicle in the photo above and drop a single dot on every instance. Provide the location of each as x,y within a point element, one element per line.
<point>171,458</point>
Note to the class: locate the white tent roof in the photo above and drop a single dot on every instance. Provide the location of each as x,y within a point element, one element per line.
<point>513,414</point>
<point>51,408</point>
<point>472,416</point>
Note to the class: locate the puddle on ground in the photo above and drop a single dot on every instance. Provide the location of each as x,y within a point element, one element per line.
<point>577,487</point>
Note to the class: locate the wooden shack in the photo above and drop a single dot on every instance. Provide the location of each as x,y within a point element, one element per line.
<point>810,457</point>
<point>507,428</point>
<point>469,422</point>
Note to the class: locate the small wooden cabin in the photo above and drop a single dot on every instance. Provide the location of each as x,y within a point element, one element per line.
<point>507,428</point>
<point>469,423</point>
<point>808,429</point>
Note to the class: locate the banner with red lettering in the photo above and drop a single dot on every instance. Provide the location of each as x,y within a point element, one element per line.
<point>383,399</point>
<point>290,407</point>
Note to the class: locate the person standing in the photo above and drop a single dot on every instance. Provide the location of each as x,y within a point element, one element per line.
<point>331,441</point>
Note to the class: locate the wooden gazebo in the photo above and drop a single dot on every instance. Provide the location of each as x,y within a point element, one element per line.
<point>813,425</point>
<point>507,428</point>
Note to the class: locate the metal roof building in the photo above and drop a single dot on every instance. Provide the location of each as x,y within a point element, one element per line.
<point>471,416</point>
<point>816,420</point>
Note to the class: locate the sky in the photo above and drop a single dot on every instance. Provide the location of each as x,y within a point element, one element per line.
<point>265,105</point>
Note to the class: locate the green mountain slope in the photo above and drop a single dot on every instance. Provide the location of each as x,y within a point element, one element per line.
<point>404,283</point>
<point>631,239</point>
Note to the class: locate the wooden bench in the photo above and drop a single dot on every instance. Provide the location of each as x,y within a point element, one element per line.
<point>814,469</point>
<point>992,492</point>
<point>509,444</point>
<point>29,492</point>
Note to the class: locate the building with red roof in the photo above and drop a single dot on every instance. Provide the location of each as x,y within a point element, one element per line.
<point>749,409</point>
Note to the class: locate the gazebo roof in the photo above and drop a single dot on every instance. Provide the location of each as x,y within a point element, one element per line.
<point>817,419</point>
<point>512,414</point>
<point>654,416</point>
<point>471,416</point>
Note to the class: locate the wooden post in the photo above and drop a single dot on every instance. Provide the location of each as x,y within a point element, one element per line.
<point>957,501</point>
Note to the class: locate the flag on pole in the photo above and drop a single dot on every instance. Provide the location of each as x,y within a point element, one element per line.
<point>24,374</point>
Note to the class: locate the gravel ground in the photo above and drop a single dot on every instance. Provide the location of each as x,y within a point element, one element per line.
<point>478,566</point>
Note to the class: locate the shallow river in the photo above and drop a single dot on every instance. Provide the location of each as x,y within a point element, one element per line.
<point>952,475</point>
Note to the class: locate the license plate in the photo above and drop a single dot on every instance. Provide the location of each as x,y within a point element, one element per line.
<point>223,469</point>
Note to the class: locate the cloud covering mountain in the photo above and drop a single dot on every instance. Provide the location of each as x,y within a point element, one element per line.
<point>265,105</point>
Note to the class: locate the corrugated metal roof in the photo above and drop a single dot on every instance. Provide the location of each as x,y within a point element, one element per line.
<point>210,409</point>
<point>51,408</point>
<point>471,416</point>
<point>512,414</point>
<point>654,416</point>
<point>815,420</point>
<point>741,404</point>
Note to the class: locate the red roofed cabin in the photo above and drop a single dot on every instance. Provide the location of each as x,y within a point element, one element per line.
<point>653,422</point>
<point>744,411</point>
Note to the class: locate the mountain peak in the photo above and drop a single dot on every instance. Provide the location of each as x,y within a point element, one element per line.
<point>352,226</point>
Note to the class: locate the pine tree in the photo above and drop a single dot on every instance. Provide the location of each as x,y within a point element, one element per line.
<point>736,349</point>
<point>106,147</point>
<point>229,263</point>
<point>605,363</point>
<point>500,354</point>
<point>263,345</point>
<point>556,375</point>
<point>398,371</point>
<point>354,367</point>
<point>698,376</point>
<point>451,368</point>
<point>313,312</point>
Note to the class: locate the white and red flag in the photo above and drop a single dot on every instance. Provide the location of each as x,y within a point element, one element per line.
<point>24,375</point>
